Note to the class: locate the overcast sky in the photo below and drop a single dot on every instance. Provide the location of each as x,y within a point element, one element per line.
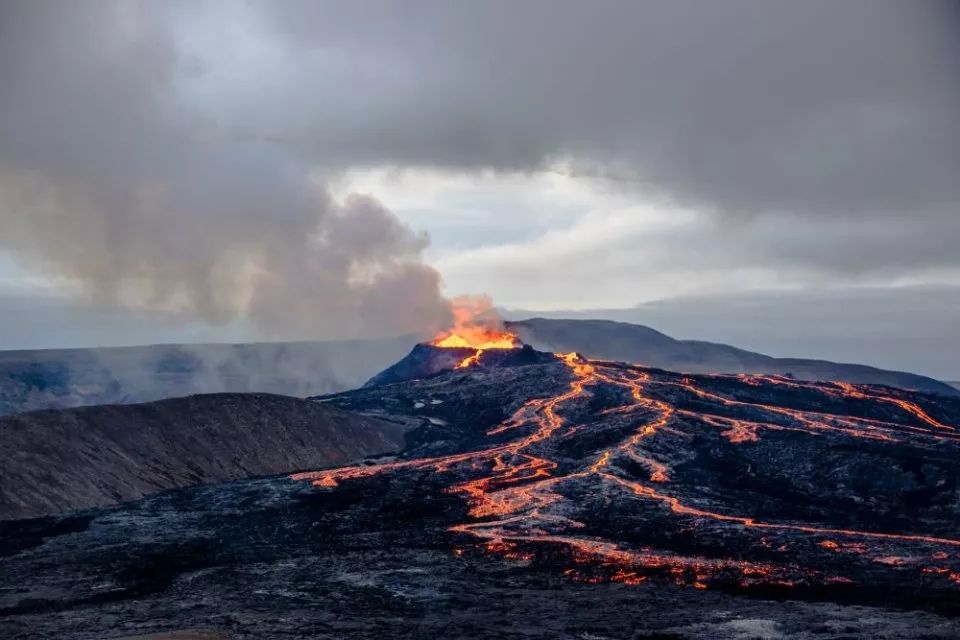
<point>190,169</point>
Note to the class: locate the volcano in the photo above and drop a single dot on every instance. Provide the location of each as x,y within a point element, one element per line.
<point>542,495</point>
<point>427,359</point>
<point>632,474</point>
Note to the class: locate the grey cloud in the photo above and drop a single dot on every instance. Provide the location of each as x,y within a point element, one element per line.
<point>841,246</point>
<point>164,170</point>
<point>753,105</point>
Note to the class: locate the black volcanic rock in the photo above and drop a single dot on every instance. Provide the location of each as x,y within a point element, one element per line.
<point>569,499</point>
<point>56,461</point>
<point>427,360</point>
<point>273,559</point>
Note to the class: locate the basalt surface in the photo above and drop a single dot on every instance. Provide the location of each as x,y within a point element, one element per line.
<point>572,498</point>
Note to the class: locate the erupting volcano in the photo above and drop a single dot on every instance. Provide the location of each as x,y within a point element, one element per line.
<point>581,498</point>
<point>477,326</point>
<point>613,472</point>
<point>636,497</point>
<point>477,339</point>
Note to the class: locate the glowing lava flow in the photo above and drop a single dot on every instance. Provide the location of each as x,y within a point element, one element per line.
<point>485,340</point>
<point>477,338</point>
<point>912,408</point>
<point>520,502</point>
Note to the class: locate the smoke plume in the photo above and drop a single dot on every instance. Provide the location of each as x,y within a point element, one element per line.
<point>111,183</point>
<point>475,313</point>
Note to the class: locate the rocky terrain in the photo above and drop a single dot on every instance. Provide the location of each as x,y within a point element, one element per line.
<point>563,498</point>
<point>56,461</point>
<point>610,340</point>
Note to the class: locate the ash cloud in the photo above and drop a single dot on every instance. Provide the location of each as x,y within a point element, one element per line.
<point>110,182</point>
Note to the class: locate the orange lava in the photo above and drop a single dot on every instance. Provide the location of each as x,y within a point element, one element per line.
<point>476,325</point>
<point>517,504</point>
<point>478,340</point>
<point>470,360</point>
<point>912,408</point>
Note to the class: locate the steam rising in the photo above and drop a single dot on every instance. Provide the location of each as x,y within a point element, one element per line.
<point>342,270</point>
<point>112,185</point>
<point>475,313</point>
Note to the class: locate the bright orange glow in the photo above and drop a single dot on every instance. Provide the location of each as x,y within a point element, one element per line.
<point>518,499</point>
<point>478,339</point>
<point>471,360</point>
<point>476,325</point>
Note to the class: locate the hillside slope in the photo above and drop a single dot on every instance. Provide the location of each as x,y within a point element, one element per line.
<point>55,461</point>
<point>642,345</point>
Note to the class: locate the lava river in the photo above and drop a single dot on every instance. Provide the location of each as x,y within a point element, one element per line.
<point>634,475</point>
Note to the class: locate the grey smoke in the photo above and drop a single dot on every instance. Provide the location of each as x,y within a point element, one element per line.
<point>109,183</point>
<point>57,378</point>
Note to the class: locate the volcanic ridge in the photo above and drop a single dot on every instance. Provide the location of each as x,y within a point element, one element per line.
<point>631,474</point>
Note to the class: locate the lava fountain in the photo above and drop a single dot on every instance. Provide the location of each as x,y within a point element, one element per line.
<point>477,326</point>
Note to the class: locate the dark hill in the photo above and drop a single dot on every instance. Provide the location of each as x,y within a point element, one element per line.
<point>426,360</point>
<point>55,461</point>
<point>642,345</point>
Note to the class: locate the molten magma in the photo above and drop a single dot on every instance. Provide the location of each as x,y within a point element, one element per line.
<point>476,325</point>
<point>477,338</point>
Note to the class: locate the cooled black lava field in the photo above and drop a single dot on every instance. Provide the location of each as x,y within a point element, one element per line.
<point>547,496</point>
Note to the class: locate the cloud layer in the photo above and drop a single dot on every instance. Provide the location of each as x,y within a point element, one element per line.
<point>748,105</point>
<point>180,156</point>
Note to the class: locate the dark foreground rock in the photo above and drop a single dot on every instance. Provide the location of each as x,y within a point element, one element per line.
<point>273,558</point>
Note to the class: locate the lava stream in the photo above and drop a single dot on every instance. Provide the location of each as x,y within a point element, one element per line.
<point>519,484</point>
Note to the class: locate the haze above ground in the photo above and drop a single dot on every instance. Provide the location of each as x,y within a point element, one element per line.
<point>909,330</point>
<point>779,176</point>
